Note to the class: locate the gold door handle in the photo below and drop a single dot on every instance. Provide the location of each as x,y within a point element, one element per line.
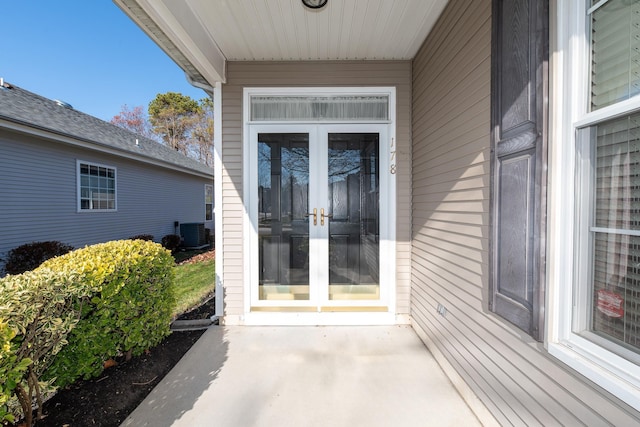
<point>323,216</point>
<point>315,216</point>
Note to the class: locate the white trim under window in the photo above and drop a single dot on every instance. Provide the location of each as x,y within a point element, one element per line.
<point>572,189</point>
<point>97,187</point>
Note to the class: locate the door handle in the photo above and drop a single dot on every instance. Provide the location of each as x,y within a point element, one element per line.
<point>315,216</point>
<point>323,216</point>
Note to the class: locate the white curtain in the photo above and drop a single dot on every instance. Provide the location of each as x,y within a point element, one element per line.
<point>320,108</point>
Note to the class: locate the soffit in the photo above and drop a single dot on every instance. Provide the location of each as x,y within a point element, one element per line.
<point>207,33</point>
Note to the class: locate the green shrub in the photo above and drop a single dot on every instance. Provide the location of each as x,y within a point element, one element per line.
<point>129,312</point>
<point>37,311</point>
<point>148,237</point>
<point>171,242</point>
<point>12,371</point>
<point>30,255</point>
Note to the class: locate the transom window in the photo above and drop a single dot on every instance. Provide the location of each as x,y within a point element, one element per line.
<point>319,108</point>
<point>96,187</point>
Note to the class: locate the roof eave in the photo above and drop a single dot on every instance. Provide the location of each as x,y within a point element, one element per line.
<point>30,129</point>
<point>161,25</point>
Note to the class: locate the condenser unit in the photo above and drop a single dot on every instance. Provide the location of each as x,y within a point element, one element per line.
<point>193,234</point>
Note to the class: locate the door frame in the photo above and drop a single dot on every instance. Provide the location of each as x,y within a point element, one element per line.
<point>271,313</point>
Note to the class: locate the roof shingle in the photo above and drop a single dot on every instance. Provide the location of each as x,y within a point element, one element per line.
<point>24,107</point>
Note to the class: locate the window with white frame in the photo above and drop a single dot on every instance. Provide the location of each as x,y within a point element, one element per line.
<point>96,187</point>
<point>208,202</point>
<point>598,328</point>
<point>608,229</point>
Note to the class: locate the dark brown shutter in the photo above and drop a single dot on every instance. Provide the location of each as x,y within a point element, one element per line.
<point>519,133</point>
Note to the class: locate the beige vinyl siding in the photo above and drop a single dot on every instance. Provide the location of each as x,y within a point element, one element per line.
<point>312,74</point>
<point>514,376</point>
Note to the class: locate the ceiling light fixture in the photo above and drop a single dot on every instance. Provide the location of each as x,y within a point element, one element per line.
<point>314,4</point>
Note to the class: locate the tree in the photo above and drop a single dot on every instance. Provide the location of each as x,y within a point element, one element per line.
<point>134,120</point>
<point>172,116</point>
<point>177,120</point>
<point>202,133</point>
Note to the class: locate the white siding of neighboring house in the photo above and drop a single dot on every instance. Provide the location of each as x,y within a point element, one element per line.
<point>38,196</point>
<point>513,375</point>
<point>289,74</point>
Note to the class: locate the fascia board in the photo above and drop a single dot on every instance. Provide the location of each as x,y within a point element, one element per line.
<point>211,65</point>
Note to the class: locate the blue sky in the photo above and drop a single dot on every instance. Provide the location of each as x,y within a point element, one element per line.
<point>85,52</point>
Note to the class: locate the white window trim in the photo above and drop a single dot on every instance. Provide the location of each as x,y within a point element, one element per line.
<point>249,318</point>
<point>569,65</point>
<point>78,186</point>
<point>318,91</point>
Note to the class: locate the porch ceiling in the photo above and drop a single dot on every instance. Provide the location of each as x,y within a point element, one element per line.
<point>201,35</point>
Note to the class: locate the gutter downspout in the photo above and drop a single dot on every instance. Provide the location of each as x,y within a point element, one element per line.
<point>216,94</point>
<point>204,87</point>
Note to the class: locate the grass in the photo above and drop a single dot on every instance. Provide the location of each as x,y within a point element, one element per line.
<point>194,283</point>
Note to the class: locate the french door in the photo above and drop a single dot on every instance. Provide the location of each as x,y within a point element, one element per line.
<point>317,222</point>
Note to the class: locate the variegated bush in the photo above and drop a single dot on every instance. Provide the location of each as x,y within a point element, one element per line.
<point>129,312</point>
<point>38,309</point>
<point>62,320</point>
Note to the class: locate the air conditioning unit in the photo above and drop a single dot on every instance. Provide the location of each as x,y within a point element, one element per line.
<point>193,234</point>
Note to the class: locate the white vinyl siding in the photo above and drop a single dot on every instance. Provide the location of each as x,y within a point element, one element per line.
<point>39,196</point>
<point>315,74</point>
<point>511,374</point>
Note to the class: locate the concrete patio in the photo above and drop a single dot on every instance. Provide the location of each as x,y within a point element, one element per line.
<point>305,376</point>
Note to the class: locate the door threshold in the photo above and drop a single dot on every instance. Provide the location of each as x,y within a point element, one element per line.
<point>324,309</point>
<point>333,318</point>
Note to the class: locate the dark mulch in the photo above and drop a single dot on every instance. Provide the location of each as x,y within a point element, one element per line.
<point>106,401</point>
<point>204,311</point>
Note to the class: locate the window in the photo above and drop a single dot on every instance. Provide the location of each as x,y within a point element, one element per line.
<point>208,202</point>
<point>597,146</point>
<point>608,151</point>
<point>615,51</point>
<point>608,227</point>
<point>96,187</point>
<point>319,108</point>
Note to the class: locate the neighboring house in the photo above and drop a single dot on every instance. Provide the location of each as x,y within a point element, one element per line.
<point>68,176</point>
<point>468,167</point>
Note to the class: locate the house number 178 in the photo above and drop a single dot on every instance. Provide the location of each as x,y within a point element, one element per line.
<point>392,160</point>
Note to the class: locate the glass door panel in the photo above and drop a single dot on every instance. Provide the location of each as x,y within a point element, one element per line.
<point>319,225</point>
<point>353,216</point>
<point>283,223</point>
